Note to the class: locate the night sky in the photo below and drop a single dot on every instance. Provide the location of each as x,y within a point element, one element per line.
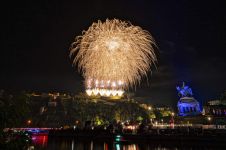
<point>191,39</point>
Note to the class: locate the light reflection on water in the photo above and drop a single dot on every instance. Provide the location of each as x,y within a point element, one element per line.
<point>42,142</point>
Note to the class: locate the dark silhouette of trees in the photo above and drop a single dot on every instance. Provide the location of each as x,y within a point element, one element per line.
<point>15,109</point>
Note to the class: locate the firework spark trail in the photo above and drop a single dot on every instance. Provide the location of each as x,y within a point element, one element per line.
<point>113,51</point>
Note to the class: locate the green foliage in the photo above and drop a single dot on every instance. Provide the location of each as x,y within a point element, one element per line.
<point>152,115</point>
<point>139,118</point>
<point>158,114</point>
<point>166,113</point>
<point>14,140</point>
<point>14,110</point>
<point>162,113</point>
<point>18,108</point>
<point>100,113</point>
<point>129,111</point>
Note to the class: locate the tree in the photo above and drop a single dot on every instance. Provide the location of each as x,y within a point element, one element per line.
<point>15,109</point>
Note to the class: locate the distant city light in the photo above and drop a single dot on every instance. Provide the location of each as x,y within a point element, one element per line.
<point>29,122</point>
<point>209,118</point>
<point>173,113</point>
<point>156,122</point>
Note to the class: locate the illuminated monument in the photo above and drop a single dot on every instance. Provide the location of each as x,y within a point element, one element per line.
<point>187,105</point>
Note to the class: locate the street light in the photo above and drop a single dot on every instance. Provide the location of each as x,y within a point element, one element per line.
<point>162,121</point>
<point>173,114</point>
<point>172,120</point>
<point>29,122</point>
<point>156,122</point>
<point>149,108</point>
<point>209,118</point>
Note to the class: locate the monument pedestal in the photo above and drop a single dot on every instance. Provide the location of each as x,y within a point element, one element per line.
<point>188,106</point>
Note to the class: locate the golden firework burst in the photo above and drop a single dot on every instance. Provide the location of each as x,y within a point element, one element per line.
<point>113,55</point>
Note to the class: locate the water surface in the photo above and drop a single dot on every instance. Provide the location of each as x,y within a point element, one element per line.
<point>43,142</point>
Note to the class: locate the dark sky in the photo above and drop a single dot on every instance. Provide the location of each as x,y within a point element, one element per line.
<point>191,36</point>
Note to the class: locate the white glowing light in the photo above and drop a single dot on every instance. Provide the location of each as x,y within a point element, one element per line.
<point>104,92</point>
<point>120,93</point>
<point>89,92</point>
<point>107,93</point>
<point>112,44</point>
<point>95,91</point>
<point>120,82</point>
<point>113,84</point>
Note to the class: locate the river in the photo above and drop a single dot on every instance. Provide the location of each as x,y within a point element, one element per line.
<point>43,142</point>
